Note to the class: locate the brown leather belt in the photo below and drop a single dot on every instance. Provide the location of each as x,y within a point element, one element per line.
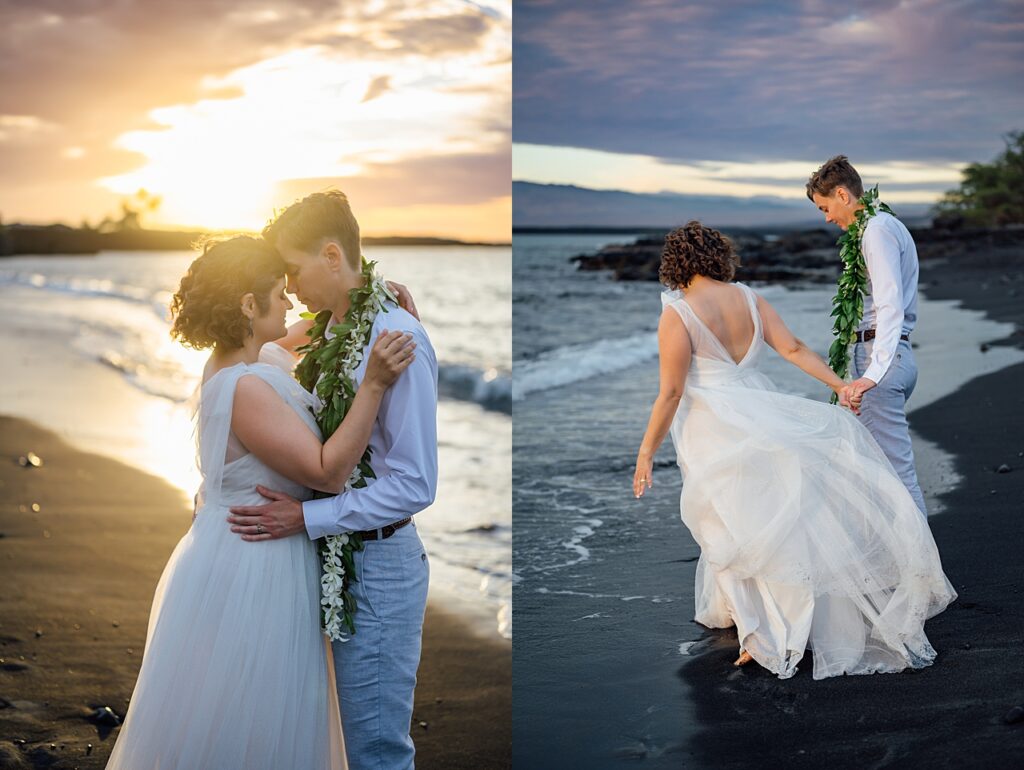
<point>385,531</point>
<point>869,334</point>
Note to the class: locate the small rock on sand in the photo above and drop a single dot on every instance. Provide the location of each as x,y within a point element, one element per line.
<point>104,715</point>
<point>30,460</point>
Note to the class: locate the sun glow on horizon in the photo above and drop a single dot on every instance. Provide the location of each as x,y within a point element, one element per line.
<point>315,114</point>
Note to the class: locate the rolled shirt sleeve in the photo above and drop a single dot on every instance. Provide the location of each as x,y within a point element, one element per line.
<point>882,257</point>
<point>404,457</point>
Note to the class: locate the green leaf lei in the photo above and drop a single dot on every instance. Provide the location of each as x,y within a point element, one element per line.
<point>328,366</point>
<point>848,304</point>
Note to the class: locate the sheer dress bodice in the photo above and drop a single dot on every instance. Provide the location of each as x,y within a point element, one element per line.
<point>230,473</point>
<point>711,364</point>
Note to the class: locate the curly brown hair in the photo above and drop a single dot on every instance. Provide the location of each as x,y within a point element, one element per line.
<point>835,172</point>
<point>207,306</point>
<point>696,250</point>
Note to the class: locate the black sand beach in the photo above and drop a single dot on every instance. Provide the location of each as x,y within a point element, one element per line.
<point>610,664</point>
<point>77,576</point>
<point>953,714</point>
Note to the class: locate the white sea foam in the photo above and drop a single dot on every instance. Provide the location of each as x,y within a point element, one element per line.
<point>947,340</point>
<point>695,647</point>
<point>573,363</point>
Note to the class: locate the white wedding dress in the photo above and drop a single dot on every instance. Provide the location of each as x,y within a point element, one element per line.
<point>236,674</point>
<point>808,538</point>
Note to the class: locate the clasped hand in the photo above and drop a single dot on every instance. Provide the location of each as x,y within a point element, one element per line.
<point>851,395</point>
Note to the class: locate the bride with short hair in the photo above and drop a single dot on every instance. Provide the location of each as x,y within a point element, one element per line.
<point>808,537</point>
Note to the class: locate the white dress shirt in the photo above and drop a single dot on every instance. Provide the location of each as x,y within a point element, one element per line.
<point>403,444</point>
<point>890,307</point>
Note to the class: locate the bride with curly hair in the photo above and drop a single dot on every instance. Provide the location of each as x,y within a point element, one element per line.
<point>808,537</point>
<point>236,673</point>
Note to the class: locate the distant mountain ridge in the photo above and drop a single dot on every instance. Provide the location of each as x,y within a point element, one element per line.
<point>567,206</point>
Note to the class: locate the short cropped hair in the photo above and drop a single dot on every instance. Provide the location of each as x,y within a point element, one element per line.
<point>835,172</point>
<point>324,215</point>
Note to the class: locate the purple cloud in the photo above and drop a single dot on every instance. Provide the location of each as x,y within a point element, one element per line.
<point>932,81</point>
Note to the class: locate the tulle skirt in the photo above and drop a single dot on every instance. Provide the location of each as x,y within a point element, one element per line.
<point>236,672</point>
<point>808,537</point>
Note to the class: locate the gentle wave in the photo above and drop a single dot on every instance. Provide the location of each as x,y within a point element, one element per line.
<point>573,363</point>
<point>92,287</point>
<point>489,387</point>
<point>473,564</point>
<point>157,378</point>
<point>154,377</point>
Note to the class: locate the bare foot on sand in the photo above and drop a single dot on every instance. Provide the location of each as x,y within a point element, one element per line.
<point>743,659</point>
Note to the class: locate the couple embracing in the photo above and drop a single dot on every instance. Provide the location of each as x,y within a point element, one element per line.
<point>810,519</point>
<point>286,628</point>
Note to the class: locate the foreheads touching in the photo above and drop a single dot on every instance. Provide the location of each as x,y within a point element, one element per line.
<point>319,225</point>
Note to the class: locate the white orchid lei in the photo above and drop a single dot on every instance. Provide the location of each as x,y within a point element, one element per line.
<point>329,366</point>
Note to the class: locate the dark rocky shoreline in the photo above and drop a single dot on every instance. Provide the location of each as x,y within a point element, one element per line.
<point>799,256</point>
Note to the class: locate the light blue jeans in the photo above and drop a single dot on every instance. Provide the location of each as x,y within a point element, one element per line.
<point>376,668</point>
<point>884,412</point>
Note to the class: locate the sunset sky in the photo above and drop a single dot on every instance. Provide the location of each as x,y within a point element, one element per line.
<point>230,109</point>
<point>747,98</point>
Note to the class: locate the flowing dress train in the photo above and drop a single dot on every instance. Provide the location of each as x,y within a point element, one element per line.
<point>808,537</point>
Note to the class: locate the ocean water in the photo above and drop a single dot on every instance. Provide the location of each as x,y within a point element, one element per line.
<point>603,583</point>
<point>89,355</point>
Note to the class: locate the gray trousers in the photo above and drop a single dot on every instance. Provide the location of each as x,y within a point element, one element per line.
<point>376,668</point>
<point>883,412</point>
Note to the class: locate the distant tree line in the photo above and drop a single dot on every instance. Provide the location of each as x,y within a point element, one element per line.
<point>132,211</point>
<point>989,193</point>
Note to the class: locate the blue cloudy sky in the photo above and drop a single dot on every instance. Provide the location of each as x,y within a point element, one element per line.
<point>746,98</point>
